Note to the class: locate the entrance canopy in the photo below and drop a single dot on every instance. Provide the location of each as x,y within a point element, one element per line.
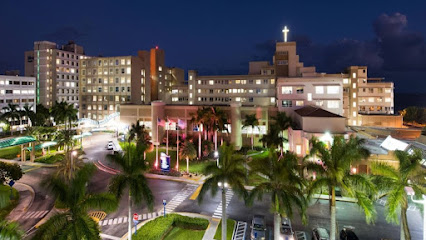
<point>43,145</point>
<point>16,141</point>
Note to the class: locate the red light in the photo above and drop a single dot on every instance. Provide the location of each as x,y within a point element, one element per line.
<point>156,47</point>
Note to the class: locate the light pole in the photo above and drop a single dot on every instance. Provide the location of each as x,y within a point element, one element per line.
<point>216,155</point>
<point>164,206</point>
<point>410,192</point>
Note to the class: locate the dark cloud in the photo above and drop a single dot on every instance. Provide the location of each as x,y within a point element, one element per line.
<point>393,49</point>
<point>64,34</point>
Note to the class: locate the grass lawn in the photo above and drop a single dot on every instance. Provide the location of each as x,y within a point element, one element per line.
<point>10,204</point>
<point>10,152</point>
<point>184,234</point>
<point>257,155</point>
<point>230,224</point>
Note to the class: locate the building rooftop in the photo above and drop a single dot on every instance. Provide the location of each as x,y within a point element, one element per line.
<point>311,111</point>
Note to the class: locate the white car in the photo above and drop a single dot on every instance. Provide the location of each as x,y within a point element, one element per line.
<point>110,146</point>
<point>286,231</point>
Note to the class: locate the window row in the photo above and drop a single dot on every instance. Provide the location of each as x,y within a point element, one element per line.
<point>105,89</point>
<point>106,98</point>
<point>23,83</point>
<point>226,82</point>
<point>111,62</point>
<point>116,80</point>
<point>105,71</point>
<point>332,104</point>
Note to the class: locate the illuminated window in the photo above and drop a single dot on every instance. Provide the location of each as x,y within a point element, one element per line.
<point>160,68</point>
<point>309,96</point>
<point>319,89</point>
<point>298,149</point>
<point>332,89</point>
<point>128,70</point>
<point>287,103</point>
<point>371,99</point>
<point>388,99</point>
<point>354,122</point>
<point>190,95</point>
<point>354,114</point>
<point>272,100</point>
<point>353,75</point>
<point>237,81</point>
<point>211,82</point>
<point>319,103</point>
<point>258,81</point>
<point>345,81</point>
<point>190,77</point>
<point>238,99</point>
<point>354,95</point>
<point>272,81</point>
<point>354,104</point>
<point>190,86</point>
<point>353,85</point>
<point>286,90</point>
<point>299,103</point>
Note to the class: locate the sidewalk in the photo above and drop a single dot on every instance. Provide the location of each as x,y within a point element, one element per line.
<point>28,163</point>
<point>26,198</point>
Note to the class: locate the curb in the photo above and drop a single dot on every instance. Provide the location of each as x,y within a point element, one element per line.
<point>25,209</point>
<point>188,214</point>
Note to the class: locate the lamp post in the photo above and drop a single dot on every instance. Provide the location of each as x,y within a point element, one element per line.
<point>410,192</point>
<point>216,155</point>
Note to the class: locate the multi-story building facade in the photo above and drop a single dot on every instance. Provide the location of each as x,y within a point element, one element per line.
<point>107,82</point>
<point>18,91</point>
<point>56,71</point>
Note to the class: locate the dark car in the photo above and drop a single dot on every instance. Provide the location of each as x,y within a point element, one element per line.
<point>320,234</point>
<point>347,233</point>
<point>258,228</point>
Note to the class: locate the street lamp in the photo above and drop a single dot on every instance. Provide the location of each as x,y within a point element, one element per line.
<point>216,155</point>
<point>410,192</point>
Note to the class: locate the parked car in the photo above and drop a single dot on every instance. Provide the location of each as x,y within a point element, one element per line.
<point>320,234</point>
<point>301,235</point>
<point>286,231</point>
<point>110,146</point>
<point>258,228</point>
<point>347,233</point>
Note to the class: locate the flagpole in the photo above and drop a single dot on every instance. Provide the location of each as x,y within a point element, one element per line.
<point>167,139</point>
<point>156,148</point>
<point>177,147</point>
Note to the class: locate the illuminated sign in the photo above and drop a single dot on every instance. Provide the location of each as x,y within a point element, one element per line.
<point>165,162</point>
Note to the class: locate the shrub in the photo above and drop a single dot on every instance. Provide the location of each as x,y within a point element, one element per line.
<point>161,226</point>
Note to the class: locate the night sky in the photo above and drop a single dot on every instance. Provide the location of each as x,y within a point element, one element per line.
<point>220,37</point>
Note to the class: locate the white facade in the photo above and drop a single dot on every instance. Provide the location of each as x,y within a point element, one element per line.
<point>18,91</point>
<point>323,92</point>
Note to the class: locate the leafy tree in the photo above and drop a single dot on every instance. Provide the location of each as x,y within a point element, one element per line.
<point>75,223</point>
<point>228,173</point>
<point>251,121</point>
<point>283,184</point>
<point>41,116</point>
<point>10,231</point>
<point>188,152</point>
<point>132,178</point>
<point>393,181</point>
<point>10,171</point>
<point>414,114</point>
<point>334,172</point>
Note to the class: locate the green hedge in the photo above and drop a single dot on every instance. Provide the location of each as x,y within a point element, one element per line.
<point>158,228</point>
<point>11,204</point>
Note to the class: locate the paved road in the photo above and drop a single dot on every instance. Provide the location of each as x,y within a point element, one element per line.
<point>347,213</point>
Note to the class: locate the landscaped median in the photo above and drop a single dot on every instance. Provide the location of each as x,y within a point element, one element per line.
<point>173,226</point>
<point>230,225</point>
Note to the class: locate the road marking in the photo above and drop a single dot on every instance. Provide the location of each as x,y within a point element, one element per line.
<point>31,169</point>
<point>109,237</point>
<point>240,231</point>
<point>35,214</point>
<point>218,212</point>
<point>180,197</point>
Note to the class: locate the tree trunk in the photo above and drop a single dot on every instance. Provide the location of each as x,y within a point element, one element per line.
<point>199,145</point>
<point>252,139</point>
<point>277,225</point>
<point>333,214</point>
<point>223,213</point>
<point>405,231</point>
<point>215,140</point>
<point>187,165</point>
<point>130,217</point>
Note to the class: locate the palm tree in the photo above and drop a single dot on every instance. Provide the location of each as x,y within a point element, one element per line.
<point>284,185</point>
<point>75,223</point>
<point>68,165</point>
<point>187,151</point>
<point>141,134</point>
<point>229,173</point>
<point>11,114</point>
<point>131,177</point>
<point>334,172</point>
<point>393,182</point>
<point>41,116</point>
<point>28,112</point>
<point>251,121</point>
<point>198,119</point>
<point>10,231</point>
<point>283,122</point>
<point>64,113</point>
<point>272,138</point>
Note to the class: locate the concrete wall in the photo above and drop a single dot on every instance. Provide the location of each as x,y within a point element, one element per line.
<point>392,121</point>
